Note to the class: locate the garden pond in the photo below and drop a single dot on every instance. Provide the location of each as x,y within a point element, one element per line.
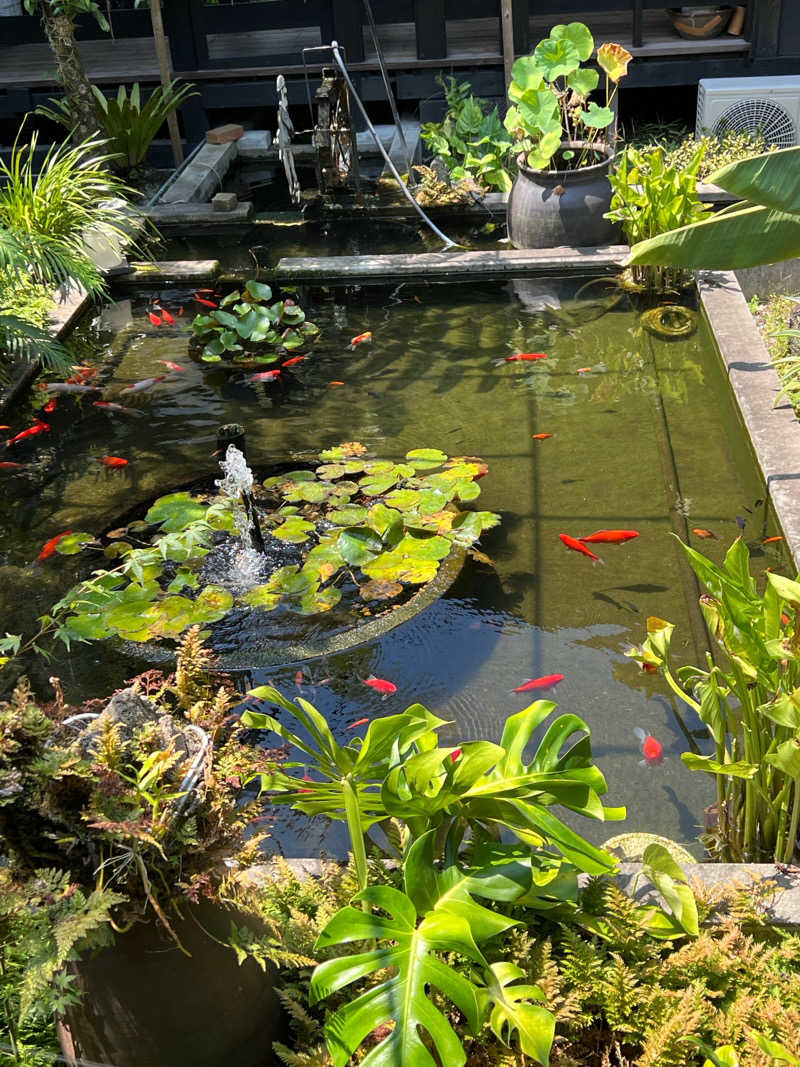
<point>617,428</point>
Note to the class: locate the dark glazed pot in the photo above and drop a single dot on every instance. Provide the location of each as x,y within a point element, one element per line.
<point>146,1004</point>
<point>549,208</point>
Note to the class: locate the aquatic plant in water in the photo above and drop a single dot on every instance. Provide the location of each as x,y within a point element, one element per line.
<point>248,328</point>
<point>352,529</point>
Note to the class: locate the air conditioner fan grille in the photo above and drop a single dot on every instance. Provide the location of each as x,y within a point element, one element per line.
<point>758,116</point>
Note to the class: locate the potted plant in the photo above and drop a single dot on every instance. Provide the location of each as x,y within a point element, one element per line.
<point>122,829</point>
<point>562,192</point>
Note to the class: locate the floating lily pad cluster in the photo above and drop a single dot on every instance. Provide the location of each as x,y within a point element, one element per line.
<point>385,525</point>
<point>373,529</point>
<point>249,327</point>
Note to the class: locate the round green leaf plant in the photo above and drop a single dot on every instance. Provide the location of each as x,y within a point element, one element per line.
<point>249,327</point>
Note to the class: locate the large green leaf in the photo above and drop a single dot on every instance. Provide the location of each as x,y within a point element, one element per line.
<point>175,511</point>
<point>435,915</point>
<point>748,237</point>
<point>771,179</point>
<point>671,882</point>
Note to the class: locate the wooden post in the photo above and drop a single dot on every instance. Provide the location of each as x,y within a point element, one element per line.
<point>162,51</point>
<point>347,29</point>
<point>507,26</point>
<point>638,21</point>
<point>766,27</point>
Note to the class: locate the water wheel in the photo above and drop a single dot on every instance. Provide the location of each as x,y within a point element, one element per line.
<point>334,137</point>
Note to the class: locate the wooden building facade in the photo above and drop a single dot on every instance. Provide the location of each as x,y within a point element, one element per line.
<point>233,50</point>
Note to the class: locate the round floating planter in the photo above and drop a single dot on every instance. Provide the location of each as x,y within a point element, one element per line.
<point>550,208</point>
<point>147,1004</point>
<point>669,321</point>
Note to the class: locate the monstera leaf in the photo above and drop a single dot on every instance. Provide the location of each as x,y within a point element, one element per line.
<point>490,787</point>
<point>435,915</point>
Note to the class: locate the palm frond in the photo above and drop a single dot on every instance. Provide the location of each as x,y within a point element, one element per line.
<point>20,340</point>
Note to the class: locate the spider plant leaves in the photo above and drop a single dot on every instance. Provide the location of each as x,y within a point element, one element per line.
<point>176,511</point>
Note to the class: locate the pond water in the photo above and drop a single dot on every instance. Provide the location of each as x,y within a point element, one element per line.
<point>645,436</point>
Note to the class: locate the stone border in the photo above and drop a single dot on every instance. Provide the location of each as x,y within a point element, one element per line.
<point>774,431</point>
<point>446,266</point>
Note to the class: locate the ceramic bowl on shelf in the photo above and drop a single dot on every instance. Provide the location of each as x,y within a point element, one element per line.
<point>700,23</point>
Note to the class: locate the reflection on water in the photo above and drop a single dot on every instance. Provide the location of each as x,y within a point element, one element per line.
<point>645,437</point>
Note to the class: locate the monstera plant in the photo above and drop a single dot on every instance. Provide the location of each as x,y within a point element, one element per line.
<point>249,327</point>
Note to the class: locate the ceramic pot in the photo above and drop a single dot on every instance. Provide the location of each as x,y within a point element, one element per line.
<point>146,1004</point>
<point>549,208</point>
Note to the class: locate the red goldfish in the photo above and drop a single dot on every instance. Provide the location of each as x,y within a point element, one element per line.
<point>541,436</point>
<point>363,338</point>
<point>380,685</point>
<point>264,376</point>
<point>37,428</point>
<point>146,383</point>
<point>576,546</point>
<point>8,466</point>
<point>294,360</point>
<point>652,750</point>
<point>704,533</point>
<point>771,540</point>
<point>50,406</point>
<point>49,548</point>
<point>583,370</point>
<point>525,357</point>
<point>111,461</point>
<point>204,302</point>
<point>165,315</point>
<point>336,383</point>
<point>547,681</point>
<point>455,754</point>
<point>170,365</point>
<point>106,405</point>
<point>358,722</point>
<point>180,311</point>
<point>155,319</point>
<point>610,537</point>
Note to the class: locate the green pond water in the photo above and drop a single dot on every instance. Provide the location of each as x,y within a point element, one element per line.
<point>647,439</point>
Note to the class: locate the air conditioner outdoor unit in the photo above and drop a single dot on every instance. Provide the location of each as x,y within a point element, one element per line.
<point>769,106</point>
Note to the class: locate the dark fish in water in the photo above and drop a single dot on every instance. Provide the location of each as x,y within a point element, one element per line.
<point>741,522</point>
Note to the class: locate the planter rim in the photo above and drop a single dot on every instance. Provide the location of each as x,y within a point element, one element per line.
<point>593,171</point>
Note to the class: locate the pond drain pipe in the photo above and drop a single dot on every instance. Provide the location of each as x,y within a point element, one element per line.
<point>340,64</point>
<point>174,176</point>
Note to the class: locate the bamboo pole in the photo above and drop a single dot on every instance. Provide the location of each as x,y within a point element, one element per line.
<point>162,51</point>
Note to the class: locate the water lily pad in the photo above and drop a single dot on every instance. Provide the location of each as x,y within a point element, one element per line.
<point>331,471</point>
<point>379,466</point>
<point>175,511</point>
<point>380,590</point>
<point>358,545</point>
<point>261,597</point>
<point>440,521</point>
<point>435,548</point>
<point>172,615</point>
<point>258,290</point>
<point>289,581</point>
<point>117,549</point>
<point>289,477</point>
<point>311,492</point>
<point>214,602</point>
<point>397,567</point>
<point>342,491</point>
<point>317,600</point>
<point>183,580</point>
<point>127,618</point>
<point>386,522</point>
<point>324,560</point>
<point>377,484</point>
<point>348,515</point>
<point>73,543</point>
<point>295,530</point>
<point>426,458</point>
<point>469,526</point>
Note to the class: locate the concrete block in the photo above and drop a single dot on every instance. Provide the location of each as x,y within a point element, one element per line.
<point>231,131</point>
<point>254,144</point>
<point>224,201</point>
<point>203,176</point>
